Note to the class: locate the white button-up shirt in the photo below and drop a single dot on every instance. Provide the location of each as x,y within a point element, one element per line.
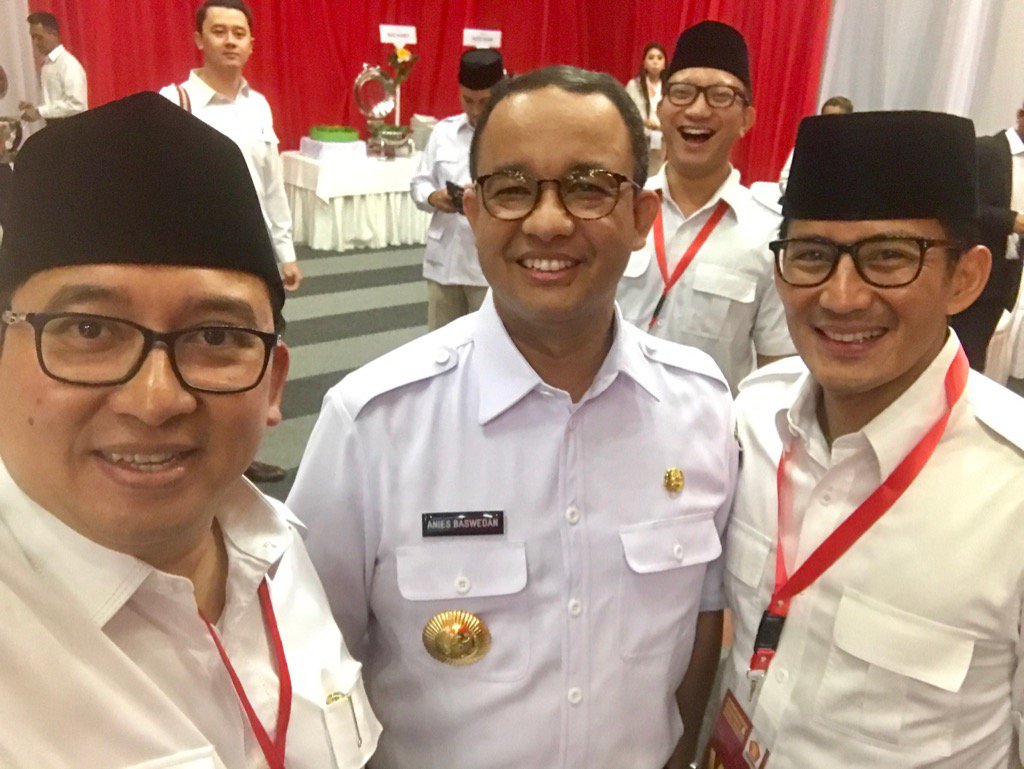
<point>450,257</point>
<point>591,593</point>
<point>248,121</point>
<point>62,84</point>
<point>108,663</point>
<point>725,303</point>
<point>907,652</point>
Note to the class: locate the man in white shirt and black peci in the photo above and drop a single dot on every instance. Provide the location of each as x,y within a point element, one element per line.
<point>158,609</point>
<point>874,561</point>
<point>455,283</point>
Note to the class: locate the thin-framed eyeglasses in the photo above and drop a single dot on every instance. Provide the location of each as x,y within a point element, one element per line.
<point>883,261</point>
<point>100,351</point>
<point>717,96</point>
<point>590,193</point>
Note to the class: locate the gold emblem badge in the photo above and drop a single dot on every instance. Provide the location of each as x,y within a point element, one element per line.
<point>456,637</point>
<point>674,480</point>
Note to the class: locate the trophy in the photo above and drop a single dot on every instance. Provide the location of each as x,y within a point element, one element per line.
<point>374,92</point>
<point>10,128</point>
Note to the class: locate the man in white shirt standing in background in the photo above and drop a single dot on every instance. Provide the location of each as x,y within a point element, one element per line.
<point>705,278</point>
<point>455,283</point>
<point>62,82</point>
<point>219,95</point>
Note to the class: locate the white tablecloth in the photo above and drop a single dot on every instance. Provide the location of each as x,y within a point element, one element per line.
<point>356,203</point>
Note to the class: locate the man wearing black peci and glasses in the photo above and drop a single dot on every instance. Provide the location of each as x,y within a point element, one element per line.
<point>874,562</point>
<point>518,517</point>
<point>704,277</point>
<point>157,608</point>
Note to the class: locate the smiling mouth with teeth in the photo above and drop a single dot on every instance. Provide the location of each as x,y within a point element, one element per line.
<point>696,135</point>
<point>142,462</point>
<point>853,337</point>
<point>547,265</point>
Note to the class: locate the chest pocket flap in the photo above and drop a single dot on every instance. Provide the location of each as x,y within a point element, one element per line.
<point>460,570</point>
<point>901,642</point>
<point>746,553</point>
<point>712,279</point>
<point>670,544</point>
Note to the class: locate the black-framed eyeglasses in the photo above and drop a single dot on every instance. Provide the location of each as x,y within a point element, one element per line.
<point>882,261</point>
<point>590,193</point>
<point>717,96</point>
<point>99,351</point>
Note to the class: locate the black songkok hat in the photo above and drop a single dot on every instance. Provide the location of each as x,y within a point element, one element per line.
<point>883,165</point>
<point>136,181</point>
<point>714,45</point>
<point>481,68</point>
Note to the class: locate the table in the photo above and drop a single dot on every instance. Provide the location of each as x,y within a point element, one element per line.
<point>340,204</point>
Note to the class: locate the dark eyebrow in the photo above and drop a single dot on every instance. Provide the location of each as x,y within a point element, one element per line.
<point>521,169</point>
<point>83,292</point>
<point>69,296</point>
<point>223,305</point>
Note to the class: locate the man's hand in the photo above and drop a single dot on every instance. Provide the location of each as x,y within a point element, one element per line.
<point>442,201</point>
<point>291,275</point>
<point>1018,224</point>
<point>29,112</point>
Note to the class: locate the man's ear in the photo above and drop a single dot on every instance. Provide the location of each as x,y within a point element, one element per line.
<point>645,209</point>
<point>970,274</point>
<point>197,38</point>
<point>748,120</point>
<point>471,205</point>
<point>278,373</point>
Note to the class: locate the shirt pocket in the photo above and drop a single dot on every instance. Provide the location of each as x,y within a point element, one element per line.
<point>747,555</point>
<point>351,726</point>
<point>485,578</point>
<point>720,298</point>
<point>662,577</point>
<point>894,678</point>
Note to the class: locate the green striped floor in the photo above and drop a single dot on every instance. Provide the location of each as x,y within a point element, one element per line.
<point>351,308</point>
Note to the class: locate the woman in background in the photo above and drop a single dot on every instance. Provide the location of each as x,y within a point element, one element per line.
<point>645,91</point>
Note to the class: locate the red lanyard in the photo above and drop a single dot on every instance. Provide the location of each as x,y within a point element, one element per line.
<point>850,530</point>
<point>688,255</point>
<point>272,751</point>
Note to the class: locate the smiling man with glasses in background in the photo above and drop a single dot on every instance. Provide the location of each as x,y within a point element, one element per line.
<point>705,276</point>
<point>518,517</point>
<point>158,609</point>
<point>874,561</point>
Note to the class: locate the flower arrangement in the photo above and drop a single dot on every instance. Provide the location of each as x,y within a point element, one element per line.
<point>401,60</point>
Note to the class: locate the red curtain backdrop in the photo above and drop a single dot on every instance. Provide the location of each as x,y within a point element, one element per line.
<point>308,52</point>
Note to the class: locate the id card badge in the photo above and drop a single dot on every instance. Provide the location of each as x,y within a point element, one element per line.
<point>734,743</point>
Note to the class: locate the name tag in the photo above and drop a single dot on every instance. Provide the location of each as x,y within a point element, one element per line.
<point>734,742</point>
<point>463,524</point>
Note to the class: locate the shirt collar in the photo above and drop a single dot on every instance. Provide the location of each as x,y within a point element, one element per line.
<point>202,94</point>
<point>1016,143</point>
<point>891,434</point>
<point>464,124</point>
<point>102,580</point>
<point>505,377</point>
<point>55,53</point>
<point>731,192</point>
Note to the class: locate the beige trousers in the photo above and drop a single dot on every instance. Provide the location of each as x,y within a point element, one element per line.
<point>446,303</point>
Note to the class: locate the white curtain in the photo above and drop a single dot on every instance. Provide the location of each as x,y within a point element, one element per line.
<point>16,56</point>
<point>959,56</point>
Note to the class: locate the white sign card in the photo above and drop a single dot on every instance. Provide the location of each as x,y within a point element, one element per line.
<point>398,34</point>
<point>481,38</point>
